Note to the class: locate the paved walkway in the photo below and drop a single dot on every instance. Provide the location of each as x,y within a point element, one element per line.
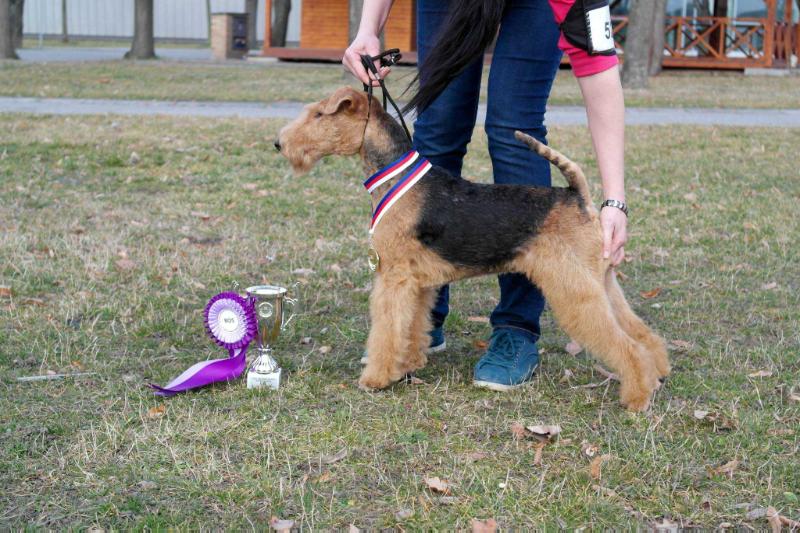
<point>48,54</point>
<point>556,115</point>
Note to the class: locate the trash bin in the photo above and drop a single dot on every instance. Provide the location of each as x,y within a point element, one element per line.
<point>228,35</point>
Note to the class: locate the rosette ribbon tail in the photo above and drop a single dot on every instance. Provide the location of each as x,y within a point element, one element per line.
<point>205,373</point>
<point>230,321</point>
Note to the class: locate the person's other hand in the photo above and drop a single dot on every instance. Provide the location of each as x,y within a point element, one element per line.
<point>364,45</point>
<point>614,224</point>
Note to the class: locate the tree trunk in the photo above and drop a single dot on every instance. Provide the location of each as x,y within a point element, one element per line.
<point>143,46</point>
<point>638,43</point>
<point>17,9</point>
<point>355,18</point>
<point>7,49</point>
<point>64,28</point>
<point>251,8</point>
<point>657,51</point>
<point>208,20</point>
<point>281,24</point>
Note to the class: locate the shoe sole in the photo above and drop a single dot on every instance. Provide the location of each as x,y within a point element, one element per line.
<point>433,349</point>
<point>499,387</point>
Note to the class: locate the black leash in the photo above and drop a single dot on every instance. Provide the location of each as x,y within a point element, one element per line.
<point>387,59</point>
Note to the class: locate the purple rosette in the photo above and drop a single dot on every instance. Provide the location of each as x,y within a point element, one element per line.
<point>230,321</point>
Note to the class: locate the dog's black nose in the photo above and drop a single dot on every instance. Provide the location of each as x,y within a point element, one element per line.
<point>277,145</point>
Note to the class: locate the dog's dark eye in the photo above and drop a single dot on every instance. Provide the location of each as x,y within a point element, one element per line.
<point>317,114</point>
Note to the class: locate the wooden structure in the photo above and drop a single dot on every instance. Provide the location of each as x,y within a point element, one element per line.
<point>710,42</point>
<point>324,31</point>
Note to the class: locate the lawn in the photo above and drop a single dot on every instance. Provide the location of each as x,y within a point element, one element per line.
<point>107,259</point>
<point>272,82</point>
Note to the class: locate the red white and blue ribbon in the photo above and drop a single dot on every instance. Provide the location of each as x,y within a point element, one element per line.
<point>413,165</point>
<point>231,322</point>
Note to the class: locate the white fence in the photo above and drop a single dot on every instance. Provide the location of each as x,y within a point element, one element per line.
<point>173,19</point>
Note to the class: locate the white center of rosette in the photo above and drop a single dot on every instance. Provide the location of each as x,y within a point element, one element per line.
<point>228,320</point>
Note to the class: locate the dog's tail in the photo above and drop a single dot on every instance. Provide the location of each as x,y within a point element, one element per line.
<point>571,171</point>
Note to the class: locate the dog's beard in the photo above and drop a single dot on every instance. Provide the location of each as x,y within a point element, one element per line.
<point>301,162</point>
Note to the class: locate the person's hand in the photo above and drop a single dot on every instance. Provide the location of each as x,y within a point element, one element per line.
<point>364,45</point>
<point>614,224</point>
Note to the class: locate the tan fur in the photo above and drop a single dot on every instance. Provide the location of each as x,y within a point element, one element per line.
<point>564,259</point>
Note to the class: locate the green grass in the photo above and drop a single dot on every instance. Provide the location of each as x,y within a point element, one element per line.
<point>713,221</point>
<point>235,81</point>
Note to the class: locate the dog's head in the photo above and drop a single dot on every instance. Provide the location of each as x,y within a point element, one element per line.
<point>334,125</point>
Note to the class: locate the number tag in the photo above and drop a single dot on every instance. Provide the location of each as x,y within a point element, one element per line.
<point>601,36</point>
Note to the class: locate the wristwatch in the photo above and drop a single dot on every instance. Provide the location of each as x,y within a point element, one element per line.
<point>622,206</point>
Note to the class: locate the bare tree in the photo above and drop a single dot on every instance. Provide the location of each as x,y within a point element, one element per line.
<point>251,8</point>
<point>281,24</point>
<point>7,48</point>
<point>638,43</point>
<point>17,9</point>
<point>64,28</point>
<point>143,46</point>
<point>657,50</point>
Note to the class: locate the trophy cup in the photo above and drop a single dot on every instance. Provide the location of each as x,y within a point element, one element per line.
<point>269,302</point>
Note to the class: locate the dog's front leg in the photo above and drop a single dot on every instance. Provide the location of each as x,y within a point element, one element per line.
<point>393,303</point>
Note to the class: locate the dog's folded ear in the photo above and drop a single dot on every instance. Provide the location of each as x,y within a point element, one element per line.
<point>345,99</point>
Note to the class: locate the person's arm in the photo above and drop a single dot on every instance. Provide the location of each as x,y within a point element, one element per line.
<point>373,16</point>
<point>605,108</point>
<point>598,77</point>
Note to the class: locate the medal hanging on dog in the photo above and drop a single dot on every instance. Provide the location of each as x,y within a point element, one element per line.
<point>415,167</point>
<point>230,321</point>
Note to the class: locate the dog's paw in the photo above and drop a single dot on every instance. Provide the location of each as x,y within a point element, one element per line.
<point>636,396</point>
<point>369,382</point>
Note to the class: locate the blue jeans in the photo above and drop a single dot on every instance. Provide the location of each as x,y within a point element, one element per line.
<point>524,64</point>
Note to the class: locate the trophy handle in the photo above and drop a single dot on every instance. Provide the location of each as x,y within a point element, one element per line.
<point>291,302</point>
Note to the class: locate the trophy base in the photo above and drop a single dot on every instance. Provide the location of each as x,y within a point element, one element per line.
<point>256,380</point>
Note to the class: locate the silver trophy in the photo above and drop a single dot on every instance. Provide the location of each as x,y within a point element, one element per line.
<point>270,303</point>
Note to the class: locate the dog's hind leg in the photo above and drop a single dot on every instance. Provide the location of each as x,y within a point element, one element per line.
<point>578,299</point>
<point>393,306</point>
<point>635,326</point>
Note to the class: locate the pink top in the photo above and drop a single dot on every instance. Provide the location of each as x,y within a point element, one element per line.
<point>582,63</point>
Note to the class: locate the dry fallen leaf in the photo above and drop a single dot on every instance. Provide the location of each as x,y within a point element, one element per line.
<point>302,272</point>
<point>769,286</point>
<point>281,525</point>
<point>353,529</point>
<point>484,526</point>
<point>5,292</point>
<point>760,374</point>
<point>793,396</point>
<point>250,186</point>
<point>414,380</point>
<point>476,456</point>
<point>589,450</point>
<point>647,295</point>
<point>157,411</point>
<point>568,375</point>
<point>680,345</point>
<point>573,348</point>
<point>518,430</point>
<point>595,466</point>
<point>403,514</point>
<point>537,456</point>
<point>728,468</point>
<point>700,414</point>
<point>201,215</point>
<point>306,340</point>
<point>774,520</point>
<point>481,319</point>
<point>544,432</point>
<point>437,485</point>
<point>329,459</point>
<point>324,349</point>
<point>125,264</point>
<point>480,344</point>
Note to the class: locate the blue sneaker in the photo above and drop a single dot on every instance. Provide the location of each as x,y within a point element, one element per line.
<point>437,344</point>
<point>509,362</point>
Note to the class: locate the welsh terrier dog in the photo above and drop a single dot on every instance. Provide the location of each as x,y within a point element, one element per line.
<point>431,228</point>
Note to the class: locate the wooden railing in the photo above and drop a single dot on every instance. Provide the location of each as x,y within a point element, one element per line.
<point>787,43</point>
<point>721,42</point>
